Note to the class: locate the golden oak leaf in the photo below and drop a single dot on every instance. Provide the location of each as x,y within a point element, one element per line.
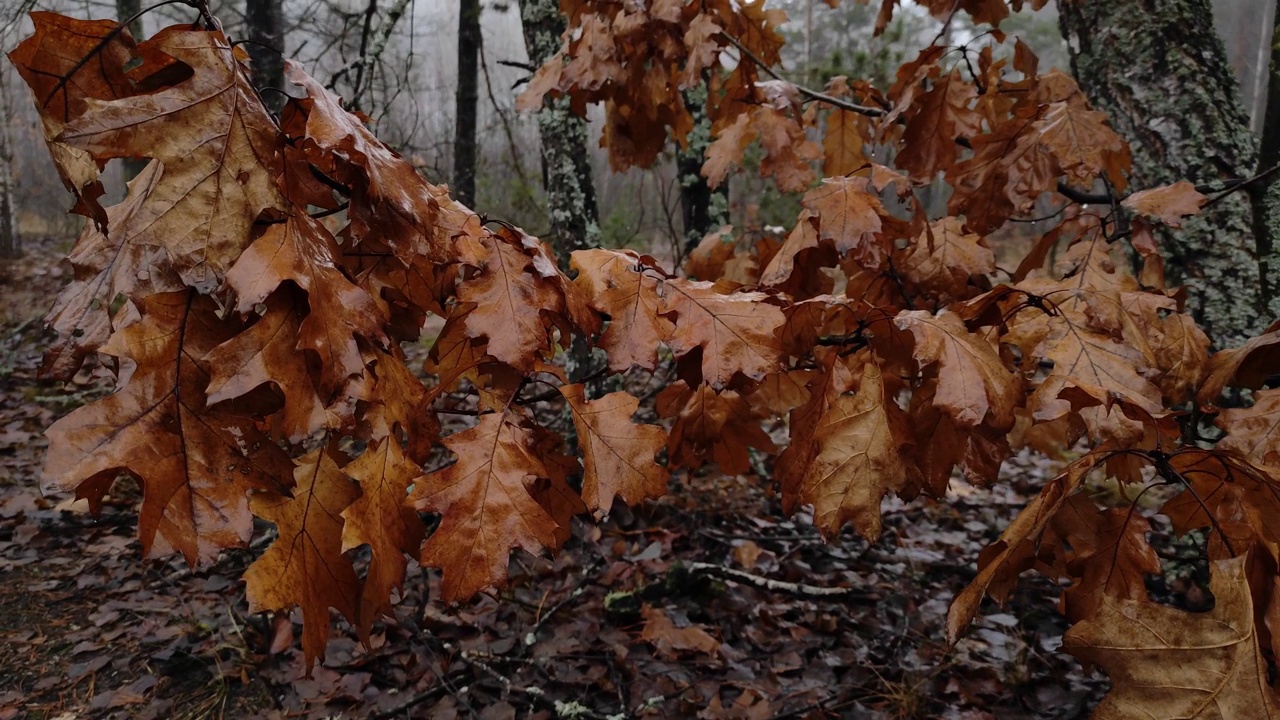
<point>843,142</point>
<point>781,392</point>
<point>217,144</point>
<point>303,251</point>
<point>711,426</point>
<point>195,464</point>
<point>848,213</point>
<point>943,115</point>
<point>617,454</point>
<point>802,239</point>
<point>485,506</point>
<point>727,149</point>
<point>304,565</point>
<point>397,399</point>
<point>267,353</point>
<point>1000,563</point>
<point>512,302</point>
<point>1254,432</point>
<point>1168,203</point>
<point>858,459</point>
<point>381,519</point>
<point>625,286</point>
<point>974,386</point>
<point>736,331</point>
<point>1166,662</point>
<point>1082,144</point>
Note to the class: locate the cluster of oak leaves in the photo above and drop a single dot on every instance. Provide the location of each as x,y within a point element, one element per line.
<point>256,336</point>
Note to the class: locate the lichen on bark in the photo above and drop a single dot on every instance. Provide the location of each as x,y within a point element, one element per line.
<point>1158,69</point>
<point>566,168</point>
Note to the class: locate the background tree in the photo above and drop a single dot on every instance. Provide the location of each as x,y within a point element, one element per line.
<point>467,99</point>
<point>265,24</point>
<point>1159,71</point>
<point>129,11</point>
<point>566,168</point>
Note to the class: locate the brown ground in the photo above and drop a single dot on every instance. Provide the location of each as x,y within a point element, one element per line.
<point>616,624</point>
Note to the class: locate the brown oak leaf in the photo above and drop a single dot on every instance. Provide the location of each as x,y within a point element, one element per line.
<point>304,565</point>
<point>617,454</point>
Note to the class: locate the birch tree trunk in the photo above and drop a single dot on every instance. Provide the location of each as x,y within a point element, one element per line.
<point>566,168</point>
<point>1158,69</point>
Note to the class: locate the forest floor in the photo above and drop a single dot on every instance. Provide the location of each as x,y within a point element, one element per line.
<point>651,613</point>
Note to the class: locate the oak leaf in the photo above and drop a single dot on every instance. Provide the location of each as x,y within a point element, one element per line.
<point>849,215</point>
<point>304,565</point>
<point>711,425</point>
<point>267,353</point>
<point>1168,203</point>
<point>303,251</point>
<point>736,331</point>
<point>858,445</point>
<point>485,506</point>
<point>617,454</point>
<point>974,386</point>
<point>381,519</point>
<point>196,464</point>
<point>216,141</point>
<point>625,286</point>
<point>670,640</point>
<point>1166,662</point>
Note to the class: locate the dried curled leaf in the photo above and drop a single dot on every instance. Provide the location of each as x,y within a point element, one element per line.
<point>1166,662</point>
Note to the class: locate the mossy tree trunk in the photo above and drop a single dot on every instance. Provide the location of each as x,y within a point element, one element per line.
<point>1158,69</point>
<point>703,209</point>
<point>1266,194</point>
<point>566,167</point>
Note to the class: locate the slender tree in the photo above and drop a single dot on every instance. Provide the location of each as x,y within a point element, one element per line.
<point>468,98</point>
<point>265,20</point>
<point>1158,70</point>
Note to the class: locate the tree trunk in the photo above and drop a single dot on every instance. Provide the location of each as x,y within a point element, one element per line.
<point>1266,195</point>
<point>1158,69</point>
<point>265,20</point>
<point>468,97</point>
<point>9,245</point>
<point>127,10</point>
<point>566,168</point>
<point>703,209</point>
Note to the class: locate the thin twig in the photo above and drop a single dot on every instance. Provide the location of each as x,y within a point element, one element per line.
<point>772,585</point>
<point>807,92</point>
